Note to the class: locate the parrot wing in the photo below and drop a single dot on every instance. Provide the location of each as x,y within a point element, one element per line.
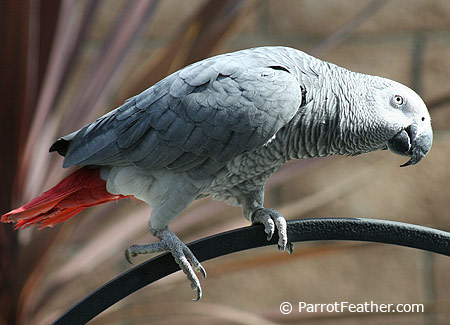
<point>206,113</point>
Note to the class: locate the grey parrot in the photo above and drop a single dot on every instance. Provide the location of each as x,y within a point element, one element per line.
<point>220,127</point>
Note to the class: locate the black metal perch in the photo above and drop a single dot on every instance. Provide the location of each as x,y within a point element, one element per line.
<point>357,229</point>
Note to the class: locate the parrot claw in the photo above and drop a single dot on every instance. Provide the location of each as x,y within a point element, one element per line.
<point>129,254</point>
<point>181,253</point>
<point>272,219</point>
<point>290,248</point>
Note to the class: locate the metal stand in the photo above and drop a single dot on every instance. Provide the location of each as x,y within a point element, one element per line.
<point>357,229</point>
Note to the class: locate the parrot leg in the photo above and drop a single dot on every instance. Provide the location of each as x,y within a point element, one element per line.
<point>272,219</point>
<point>254,211</point>
<point>182,254</point>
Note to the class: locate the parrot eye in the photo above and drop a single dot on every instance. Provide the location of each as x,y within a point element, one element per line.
<point>398,100</point>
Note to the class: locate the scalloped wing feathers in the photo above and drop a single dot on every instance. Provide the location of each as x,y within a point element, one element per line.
<point>212,110</point>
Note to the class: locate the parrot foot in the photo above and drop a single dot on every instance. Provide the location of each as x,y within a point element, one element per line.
<point>182,254</point>
<point>271,218</point>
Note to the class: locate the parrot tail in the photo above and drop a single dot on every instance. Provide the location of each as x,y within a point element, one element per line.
<point>79,190</point>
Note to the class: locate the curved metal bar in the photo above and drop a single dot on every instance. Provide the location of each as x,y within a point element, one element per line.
<point>356,229</point>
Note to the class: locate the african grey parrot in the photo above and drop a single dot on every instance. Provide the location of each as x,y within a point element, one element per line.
<point>221,127</point>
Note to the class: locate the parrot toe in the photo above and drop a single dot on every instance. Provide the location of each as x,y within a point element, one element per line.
<point>183,256</point>
<point>272,219</point>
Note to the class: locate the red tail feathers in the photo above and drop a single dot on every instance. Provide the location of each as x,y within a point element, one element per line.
<point>79,190</point>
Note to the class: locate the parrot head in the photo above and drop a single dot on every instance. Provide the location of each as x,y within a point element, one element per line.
<point>406,122</point>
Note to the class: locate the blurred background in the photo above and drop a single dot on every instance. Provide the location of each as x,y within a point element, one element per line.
<point>65,63</point>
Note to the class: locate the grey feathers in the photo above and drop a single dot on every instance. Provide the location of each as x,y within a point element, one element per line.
<point>214,109</point>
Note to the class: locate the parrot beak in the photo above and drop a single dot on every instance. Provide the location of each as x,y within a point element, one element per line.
<point>412,142</point>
